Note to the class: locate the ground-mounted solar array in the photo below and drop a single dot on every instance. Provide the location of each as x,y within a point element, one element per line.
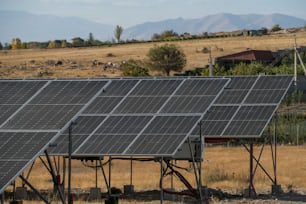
<point>245,107</point>
<point>144,117</point>
<point>135,116</point>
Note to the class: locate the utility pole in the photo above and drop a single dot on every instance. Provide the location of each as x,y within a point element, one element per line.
<point>297,55</point>
<point>211,72</point>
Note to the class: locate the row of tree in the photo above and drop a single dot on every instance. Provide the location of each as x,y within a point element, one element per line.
<point>167,35</point>
<point>16,43</point>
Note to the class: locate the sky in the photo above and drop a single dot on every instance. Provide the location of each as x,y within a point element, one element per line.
<point>127,13</point>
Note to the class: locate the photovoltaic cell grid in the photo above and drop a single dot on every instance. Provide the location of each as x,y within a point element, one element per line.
<point>128,116</point>
<point>144,112</point>
<point>245,107</point>
<point>32,114</point>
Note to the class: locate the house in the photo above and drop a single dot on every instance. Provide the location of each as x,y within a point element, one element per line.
<point>77,42</point>
<point>248,56</point>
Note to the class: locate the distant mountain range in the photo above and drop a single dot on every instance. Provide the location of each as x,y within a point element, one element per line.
<point>31,27</point>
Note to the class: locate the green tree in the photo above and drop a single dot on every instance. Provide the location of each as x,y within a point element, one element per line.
<point>24,45</point>
<point>168,35</point>
<point>155,37</point>
<point>254,68</point>
<point>276,27</point>
<point>118,32</point>
<point>134,68</point>
<point>91,39</point>
<point>167,58</point>
<point>218,71</point>
<point>1,46</point>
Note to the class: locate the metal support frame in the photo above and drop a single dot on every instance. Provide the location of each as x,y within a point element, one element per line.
<point>29,172</point>
<point>274,150</point>
<point>2,198</point>
<point>35,191</point>
<point>196,172</point>
<point>273,146</point>
<point>69,161</point>
<point>131,171</point>
<point>96,169</point>
<point>201,160</point>
<point>110,176</point>
<point>104,176</point>
<point>52,172</point>
<point>161,180</point>
<point>251,179</point>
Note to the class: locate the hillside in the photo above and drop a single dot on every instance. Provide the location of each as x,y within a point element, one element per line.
<point>213,23</point>
<point>90,62</point>
<point>33,27</point>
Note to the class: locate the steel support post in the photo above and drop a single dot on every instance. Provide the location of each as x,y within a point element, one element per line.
<point>104,175</point>
<point>2,198</point>
<point>96,173</point>
<point>201,160</point>
<point>131,172</point>
<point>69,162</point>
<point>110,176</point>
<point>251,170</point>
<point>161,181</point>
<point>195,169</point>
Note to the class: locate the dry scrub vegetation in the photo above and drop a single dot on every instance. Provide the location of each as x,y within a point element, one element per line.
<point>79,62</point>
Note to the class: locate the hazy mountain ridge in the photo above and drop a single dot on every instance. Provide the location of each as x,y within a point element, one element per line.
<point>31,27</point>
<point>214,23</point>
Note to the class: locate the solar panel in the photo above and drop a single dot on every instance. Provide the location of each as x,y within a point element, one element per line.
<point>33,112</point>
<point>17,150</point>
<point>163,136</point>
<point>155,108</point>
<point>136,116</point>
<point>245,107</point>
<point>115,131</point>
<point>18,91</point>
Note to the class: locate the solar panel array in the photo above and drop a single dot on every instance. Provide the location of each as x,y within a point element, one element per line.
<point>245,107</point>
<point>142,116</point>
<point>136,116</point>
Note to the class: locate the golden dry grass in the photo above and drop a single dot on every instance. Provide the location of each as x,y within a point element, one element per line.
<point>28,63</point>
<point>226,168</point>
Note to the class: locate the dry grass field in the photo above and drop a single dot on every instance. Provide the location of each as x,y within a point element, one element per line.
<point>77,62</point>
<point>225,168</point>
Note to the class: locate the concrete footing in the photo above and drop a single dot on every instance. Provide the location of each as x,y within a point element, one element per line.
<point>276,189</point>
<point>21,193</point>
<point>248,194</point>
<point>16,202</point>
<point>128,189</point>
<point>95,194</point>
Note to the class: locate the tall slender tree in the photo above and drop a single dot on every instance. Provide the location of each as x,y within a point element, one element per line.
<point>118,32</point>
